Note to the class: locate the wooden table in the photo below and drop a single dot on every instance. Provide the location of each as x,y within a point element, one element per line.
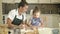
<point>29,31</point>
<point>3,29</point>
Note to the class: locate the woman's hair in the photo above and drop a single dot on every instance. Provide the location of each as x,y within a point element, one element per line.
<point>22,3</point>
<point>36,10</point>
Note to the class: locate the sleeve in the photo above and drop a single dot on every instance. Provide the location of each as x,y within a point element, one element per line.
<point>11,15</point>
<point>30,20</point>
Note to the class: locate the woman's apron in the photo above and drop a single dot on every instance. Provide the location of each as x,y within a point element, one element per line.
<point>17,22</point>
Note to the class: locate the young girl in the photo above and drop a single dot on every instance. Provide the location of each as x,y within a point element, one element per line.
<point>35,20</point>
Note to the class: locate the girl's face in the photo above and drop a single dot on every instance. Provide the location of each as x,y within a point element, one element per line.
<point>36,15</point>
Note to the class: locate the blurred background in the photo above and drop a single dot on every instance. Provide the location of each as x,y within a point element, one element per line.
<point>50,10</point>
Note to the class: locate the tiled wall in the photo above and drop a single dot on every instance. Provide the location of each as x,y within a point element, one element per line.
<point>45,8</point>
<point>0,11</point>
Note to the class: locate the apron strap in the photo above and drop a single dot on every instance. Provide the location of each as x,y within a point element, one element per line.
<point>22,17</point>
<point>15,16</point>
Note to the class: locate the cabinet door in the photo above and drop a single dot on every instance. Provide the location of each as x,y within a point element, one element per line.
<point>8,1</point>
<point>32,1</point>
<point>17,1</point>
<point>55,1</point>
<point>55,21</point>
<point>44,1</point>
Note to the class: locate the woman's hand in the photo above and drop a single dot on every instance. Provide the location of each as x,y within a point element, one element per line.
<point>11,26</point>
<point>9,22</point>
<point>22,26</point>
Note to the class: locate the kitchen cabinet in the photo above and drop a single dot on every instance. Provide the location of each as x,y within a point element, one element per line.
<point>55,1</point>
<point>55,20</point>
<point>32,1</point>
<point>44,1</point>
<point>8,1</point>
<point>49,20</point>
<point>17,1</point>
<point>49,1</point>
<point>11,1</point>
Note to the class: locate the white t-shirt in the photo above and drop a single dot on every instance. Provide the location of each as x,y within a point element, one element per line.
<point>14,13</point>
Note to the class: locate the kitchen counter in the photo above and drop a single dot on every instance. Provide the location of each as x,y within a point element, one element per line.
<point>3,29</point>
<point>59,28</point>
<point>40,30</point>
<point>43,31</point>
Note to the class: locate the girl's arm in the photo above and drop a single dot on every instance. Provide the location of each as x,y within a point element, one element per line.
<point>29,23</point>
<point>41,24</point>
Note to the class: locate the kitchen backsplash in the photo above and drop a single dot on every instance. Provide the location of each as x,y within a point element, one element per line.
<point>45,8</point>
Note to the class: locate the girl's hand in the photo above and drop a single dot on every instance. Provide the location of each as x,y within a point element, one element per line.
<point>34,27</point>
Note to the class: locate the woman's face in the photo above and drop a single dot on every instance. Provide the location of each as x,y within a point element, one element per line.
<point>24,9</point>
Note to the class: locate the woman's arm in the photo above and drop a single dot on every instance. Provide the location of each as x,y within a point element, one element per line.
<point>9,22</point>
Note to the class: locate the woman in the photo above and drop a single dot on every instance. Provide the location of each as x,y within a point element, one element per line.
<point>17,16</point>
